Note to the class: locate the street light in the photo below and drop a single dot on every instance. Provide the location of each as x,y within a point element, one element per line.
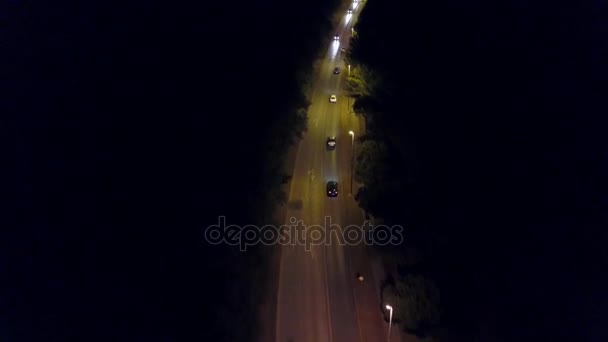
<point>390,320</point>
<point>349,70</point>
<point>352,159</point>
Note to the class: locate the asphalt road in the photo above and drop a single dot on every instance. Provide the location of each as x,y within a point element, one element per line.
<point>316,293</point>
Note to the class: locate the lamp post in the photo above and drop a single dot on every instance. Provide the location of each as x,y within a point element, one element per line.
<point>390,320</point>
<point>349,70</point>
<point>352,160</point>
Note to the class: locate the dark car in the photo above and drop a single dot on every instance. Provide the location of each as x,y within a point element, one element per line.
<point>332,189</point>
<point>331,143</point>
<point>337,37</point>
<point>350,11</point>
<point>336,70</point>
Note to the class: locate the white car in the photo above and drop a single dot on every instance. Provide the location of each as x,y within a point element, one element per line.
<point>333,99</point>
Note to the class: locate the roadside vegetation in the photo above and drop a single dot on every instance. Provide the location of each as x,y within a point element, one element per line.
<point>467,128</point>
<point>285,122</point>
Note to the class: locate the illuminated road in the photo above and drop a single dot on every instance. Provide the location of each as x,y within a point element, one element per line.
<point>317,295</point>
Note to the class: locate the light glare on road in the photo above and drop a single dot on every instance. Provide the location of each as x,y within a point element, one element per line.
<point>335,47</point>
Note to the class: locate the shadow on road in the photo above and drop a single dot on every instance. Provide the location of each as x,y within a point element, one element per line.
<point>294,205</point>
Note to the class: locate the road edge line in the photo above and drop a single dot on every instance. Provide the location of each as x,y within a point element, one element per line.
<point>331,334</point>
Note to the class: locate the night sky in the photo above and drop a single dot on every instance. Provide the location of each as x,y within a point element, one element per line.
<point>130,126</point>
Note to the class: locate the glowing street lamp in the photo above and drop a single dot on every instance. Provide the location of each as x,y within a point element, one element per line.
<point>390,320</point>
<point>352,159</point>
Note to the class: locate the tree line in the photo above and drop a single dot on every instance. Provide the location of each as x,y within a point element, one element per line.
<point>138,126</point>
<point>482,122</point>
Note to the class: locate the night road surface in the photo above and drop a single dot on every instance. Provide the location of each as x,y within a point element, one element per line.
<point>317,292</point>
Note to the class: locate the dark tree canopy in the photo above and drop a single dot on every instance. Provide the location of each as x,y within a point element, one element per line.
<point>493,116</point>
<point>132,127</point>
<point>415,301</point>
